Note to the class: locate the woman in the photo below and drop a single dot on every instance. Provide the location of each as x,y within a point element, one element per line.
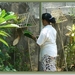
<point>47,43</point>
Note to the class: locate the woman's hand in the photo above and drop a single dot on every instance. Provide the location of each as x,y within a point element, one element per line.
<point>34,37</point>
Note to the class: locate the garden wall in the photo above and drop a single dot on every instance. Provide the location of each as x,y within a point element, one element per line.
<point>25,53</point>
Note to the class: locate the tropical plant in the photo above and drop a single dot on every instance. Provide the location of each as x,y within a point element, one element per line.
<point>10,20</point>
<point>6,22</point>
<point>70,47</point>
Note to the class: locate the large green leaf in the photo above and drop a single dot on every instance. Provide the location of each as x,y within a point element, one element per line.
<point>4,42</point>
<point>28,33</point>
<point>4,17</point>
<point>3,13</point>
<point>3,33</point>
<point>9,17</point>
<point>9,26</point>
<point>2,20</point>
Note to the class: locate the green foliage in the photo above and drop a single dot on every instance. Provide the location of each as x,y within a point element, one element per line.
<point>4,18</point>
<point>17,56</point>
<point>6,22</point>
<point>4,42</point>
<point>9,26</point>
<point>3,33</point>
<point>71,33</point>
<point>28,33</point>
<point>11,58</point>
<point>70,47</point>
<point>8,69</point>
<point>72,12</point>
<point>4,64</point>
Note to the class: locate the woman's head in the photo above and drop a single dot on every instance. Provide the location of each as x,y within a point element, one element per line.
<point>47,19</point>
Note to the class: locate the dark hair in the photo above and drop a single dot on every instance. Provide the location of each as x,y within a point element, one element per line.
<point>48,18</point>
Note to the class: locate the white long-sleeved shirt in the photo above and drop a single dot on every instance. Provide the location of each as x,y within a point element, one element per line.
<point>47,41</point>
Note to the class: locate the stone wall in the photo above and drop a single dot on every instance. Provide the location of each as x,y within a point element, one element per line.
<point>64,6</point>
<point>25,44</point>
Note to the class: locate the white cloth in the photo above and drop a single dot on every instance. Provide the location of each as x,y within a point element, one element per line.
<point>47,41</point>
